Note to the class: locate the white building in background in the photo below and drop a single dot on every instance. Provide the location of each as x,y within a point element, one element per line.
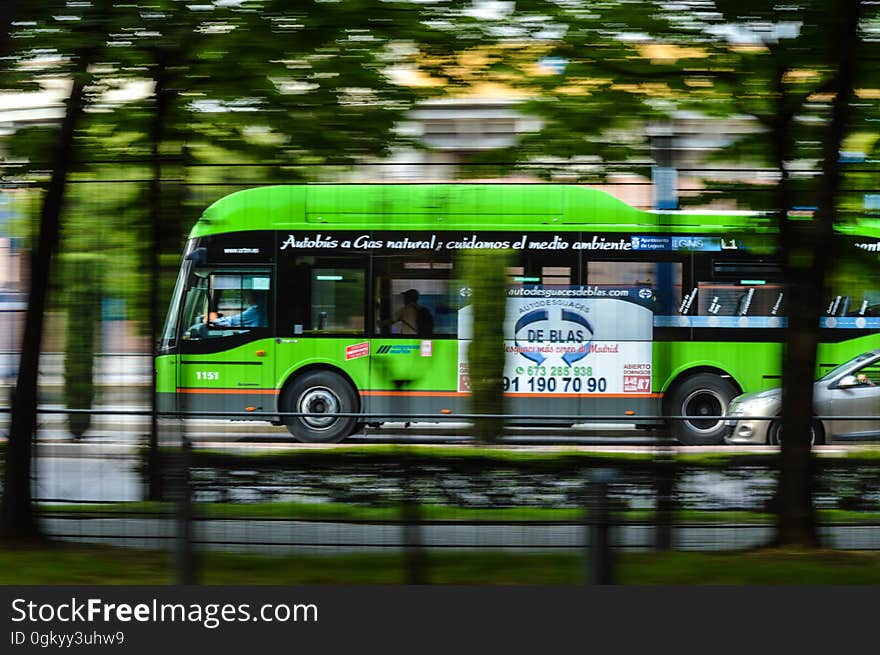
<point>449,131</point>
<point>19,110</point>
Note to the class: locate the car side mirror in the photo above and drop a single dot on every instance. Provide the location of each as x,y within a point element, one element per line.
<point>848,381</point>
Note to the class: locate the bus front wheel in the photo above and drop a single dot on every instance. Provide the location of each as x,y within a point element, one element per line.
<point>321,395</point>
<point>702,395</point>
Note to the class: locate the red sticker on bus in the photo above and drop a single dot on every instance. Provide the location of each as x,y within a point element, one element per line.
<point>357,350</point>
<point>636,383</point>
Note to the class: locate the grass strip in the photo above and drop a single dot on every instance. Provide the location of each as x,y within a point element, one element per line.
<point>74,564</point>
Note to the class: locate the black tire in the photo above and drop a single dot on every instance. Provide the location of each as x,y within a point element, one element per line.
<point>774,434</point>
<point>704,394</point>
<point>318,392</point>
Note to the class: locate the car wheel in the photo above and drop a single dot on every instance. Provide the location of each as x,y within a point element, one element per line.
<point>774,434</point>
<point>317,393</point>
<point>704,394</point>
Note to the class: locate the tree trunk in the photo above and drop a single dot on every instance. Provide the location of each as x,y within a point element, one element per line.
<point>155,486</point>
<point>9,11</point>
<point>807,252</point>
<point>17,519</point>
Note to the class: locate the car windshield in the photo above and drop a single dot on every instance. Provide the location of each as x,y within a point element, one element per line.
<point>834,371</point>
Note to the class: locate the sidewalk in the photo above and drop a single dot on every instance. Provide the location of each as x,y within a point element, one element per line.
<point>120,378</point>
<point>122,382</point>
<point>53,426</point>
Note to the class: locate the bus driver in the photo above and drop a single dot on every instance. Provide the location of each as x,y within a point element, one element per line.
<point>253,316</point>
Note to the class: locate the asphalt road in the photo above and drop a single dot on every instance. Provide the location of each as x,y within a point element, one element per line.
<point>279,537</point>
<point>122,428</point>
<point>133,431</point>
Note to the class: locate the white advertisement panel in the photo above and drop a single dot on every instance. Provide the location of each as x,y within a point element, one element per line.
<point>572,341</point>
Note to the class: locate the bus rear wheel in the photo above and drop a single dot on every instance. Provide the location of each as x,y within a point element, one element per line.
<point>318,393</point>
<point>704,394</point>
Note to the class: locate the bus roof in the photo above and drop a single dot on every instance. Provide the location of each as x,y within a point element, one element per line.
<point>550,207</point>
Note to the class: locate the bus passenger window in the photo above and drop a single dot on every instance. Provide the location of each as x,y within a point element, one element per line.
<point>748,298</point>
<point>556,275</point>
<point>406,304</point>
<point>337,300</point>
<point>664,278</point>
<point>516,276</point>
<point>416,298</point>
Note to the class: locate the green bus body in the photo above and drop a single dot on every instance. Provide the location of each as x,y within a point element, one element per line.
<point>251,235</point>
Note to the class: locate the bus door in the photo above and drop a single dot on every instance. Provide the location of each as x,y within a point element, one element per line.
<point>413,364</point>
<point>226,360</point>
<point>322,318</point>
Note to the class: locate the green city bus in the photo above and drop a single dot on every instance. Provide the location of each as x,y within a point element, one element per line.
<point>309,299</point>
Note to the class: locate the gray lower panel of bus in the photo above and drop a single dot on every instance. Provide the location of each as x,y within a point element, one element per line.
<point>530,410</point>
<point>224,404</point>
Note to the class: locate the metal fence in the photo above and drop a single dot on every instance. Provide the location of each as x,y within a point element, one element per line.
<point>411,499</point>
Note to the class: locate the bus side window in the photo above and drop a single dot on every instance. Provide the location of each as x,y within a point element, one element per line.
<point>337,300</point>
<point>664,278</point>
<point>733,299</point>
<point>415,298</point>
<point>740,287</point>
<point>327,296</point>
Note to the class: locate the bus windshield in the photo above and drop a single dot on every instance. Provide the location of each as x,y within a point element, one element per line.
<point>221,301</point>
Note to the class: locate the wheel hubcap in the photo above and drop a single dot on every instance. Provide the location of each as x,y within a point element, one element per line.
<point>319,400</point>
<point>704,403</point>
<point>812,435</point>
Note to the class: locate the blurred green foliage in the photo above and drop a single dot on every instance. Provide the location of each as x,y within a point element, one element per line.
<point>486,276</point>
<point>603,77</point>
<point>205,99</point>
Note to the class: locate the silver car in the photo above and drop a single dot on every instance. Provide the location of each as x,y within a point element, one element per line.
<point>850,390</point>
